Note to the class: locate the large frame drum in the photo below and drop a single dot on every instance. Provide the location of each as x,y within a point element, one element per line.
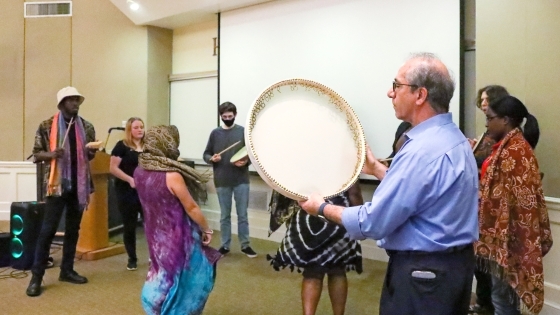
<point>303,138</point>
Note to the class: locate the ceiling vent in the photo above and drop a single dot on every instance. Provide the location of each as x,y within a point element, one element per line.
<point>47,9</point>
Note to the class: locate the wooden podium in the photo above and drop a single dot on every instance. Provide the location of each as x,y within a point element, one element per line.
<point>93,242</point>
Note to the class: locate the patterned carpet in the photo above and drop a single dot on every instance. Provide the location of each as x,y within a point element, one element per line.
<point>243,286</point>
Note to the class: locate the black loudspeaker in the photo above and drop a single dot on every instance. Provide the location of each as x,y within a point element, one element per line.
<point>26,219</point>
<point>115,217</point>
<point>4,249</point>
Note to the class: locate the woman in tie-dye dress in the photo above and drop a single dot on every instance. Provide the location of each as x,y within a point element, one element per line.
<point>182,269</point>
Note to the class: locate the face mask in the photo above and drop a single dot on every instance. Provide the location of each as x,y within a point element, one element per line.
<point>228,122</point>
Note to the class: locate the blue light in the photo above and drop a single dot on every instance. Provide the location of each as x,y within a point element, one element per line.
<point>17,224</point>
<point>16,247</point>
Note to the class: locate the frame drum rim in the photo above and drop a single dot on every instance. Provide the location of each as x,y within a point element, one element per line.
<point>240,154</point>
<point>352,121</point>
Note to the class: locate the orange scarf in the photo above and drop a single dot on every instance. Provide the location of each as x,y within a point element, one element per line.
<point>514,227</point>
<point>54,188</point>
<point>60,175</point>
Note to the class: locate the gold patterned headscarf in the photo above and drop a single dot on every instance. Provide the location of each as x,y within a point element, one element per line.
<point>161,151</point>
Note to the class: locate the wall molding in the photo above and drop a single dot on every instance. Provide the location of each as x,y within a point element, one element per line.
<point>17,183</point>
<point>192,76</point>
<point>553,206</point>
<point>552,290</point>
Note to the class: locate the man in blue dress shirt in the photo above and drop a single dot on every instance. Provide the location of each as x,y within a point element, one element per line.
<point>424,212</point>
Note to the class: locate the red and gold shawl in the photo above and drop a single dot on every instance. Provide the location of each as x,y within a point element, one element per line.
<point>514,227</point>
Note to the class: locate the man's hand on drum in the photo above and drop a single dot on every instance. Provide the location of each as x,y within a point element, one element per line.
<point>241,162</point>
<point>372,166</point>
<point>312,204</point>
<point>369,165</point>
<point>216,158</point>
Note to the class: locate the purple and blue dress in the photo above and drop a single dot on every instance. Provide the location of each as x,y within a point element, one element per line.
<point>182,271</point>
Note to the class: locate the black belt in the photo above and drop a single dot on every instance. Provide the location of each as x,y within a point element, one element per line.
<point>454,249</point>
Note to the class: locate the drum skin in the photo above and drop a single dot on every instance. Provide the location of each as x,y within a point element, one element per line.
<point>239,155</point>
<point>304,138</point>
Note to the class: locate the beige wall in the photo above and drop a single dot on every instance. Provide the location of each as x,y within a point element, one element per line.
<point>159,68</point>
<point>109,60</point>
<point>120,68</point>
<point>193,48</point>
<point>469,64</point>
<point>11,81</point>
<point>47,69</point>
<point>517,45</point>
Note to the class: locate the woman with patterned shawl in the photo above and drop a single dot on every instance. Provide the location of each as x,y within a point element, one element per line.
<point>182,270</point>
<point>319,247</point>
<point>514,227</point>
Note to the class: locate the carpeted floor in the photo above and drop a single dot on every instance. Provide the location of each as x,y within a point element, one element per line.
<point>243,286</point>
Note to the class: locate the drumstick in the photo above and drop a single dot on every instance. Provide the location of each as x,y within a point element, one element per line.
<point>67,130</point>
<point>386,160</point>
<point>231,146</point>
<point>478,142</point>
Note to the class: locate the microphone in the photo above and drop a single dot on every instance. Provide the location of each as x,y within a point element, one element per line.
<point>115,128</point>
<point>108,134</point>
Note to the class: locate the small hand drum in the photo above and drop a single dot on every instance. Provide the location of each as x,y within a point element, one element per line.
<point>303,138</point>
<point>239,155</point>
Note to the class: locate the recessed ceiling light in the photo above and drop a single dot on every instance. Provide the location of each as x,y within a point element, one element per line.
<point>133,5</point>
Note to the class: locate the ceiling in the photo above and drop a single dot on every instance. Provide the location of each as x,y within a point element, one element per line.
<point>178,13</point>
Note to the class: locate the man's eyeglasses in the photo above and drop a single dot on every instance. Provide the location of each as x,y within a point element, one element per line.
<point>489,118</point>
<point>397,84</point>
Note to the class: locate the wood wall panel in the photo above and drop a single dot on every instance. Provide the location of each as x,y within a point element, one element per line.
<point>109,64</point>
<point>518,48</point>
<point>47,70</point>
<point>542,51</point>
<point>98,50</point>
<point>160,50</point>
<point>11,80</point>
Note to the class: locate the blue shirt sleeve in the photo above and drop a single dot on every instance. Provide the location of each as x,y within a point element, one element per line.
<point>395,200</point>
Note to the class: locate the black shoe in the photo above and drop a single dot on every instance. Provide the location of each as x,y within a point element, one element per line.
<point>34,288</point>
<point>131,265</point>
<point>72,277</point>
<point>249,252</point>
<point>223,250</point>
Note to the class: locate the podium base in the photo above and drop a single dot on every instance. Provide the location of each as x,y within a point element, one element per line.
<point>112,249</point>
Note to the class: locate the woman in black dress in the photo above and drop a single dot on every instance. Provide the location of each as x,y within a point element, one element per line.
<point>124,160</point>
<point>319,248</point>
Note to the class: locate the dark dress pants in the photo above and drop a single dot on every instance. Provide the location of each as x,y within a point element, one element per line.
<point>442,287</point>
<point>483,289</point>
<point>54,207</point>
<point>129,208</point>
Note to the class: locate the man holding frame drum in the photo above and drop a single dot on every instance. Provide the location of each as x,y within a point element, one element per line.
<point>230,178</point>
<point>424,212</point>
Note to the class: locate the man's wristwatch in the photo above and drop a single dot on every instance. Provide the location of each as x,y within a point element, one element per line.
<point>320,212</point>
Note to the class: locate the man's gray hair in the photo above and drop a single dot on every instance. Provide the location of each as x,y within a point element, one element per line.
<point>438,81</point>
